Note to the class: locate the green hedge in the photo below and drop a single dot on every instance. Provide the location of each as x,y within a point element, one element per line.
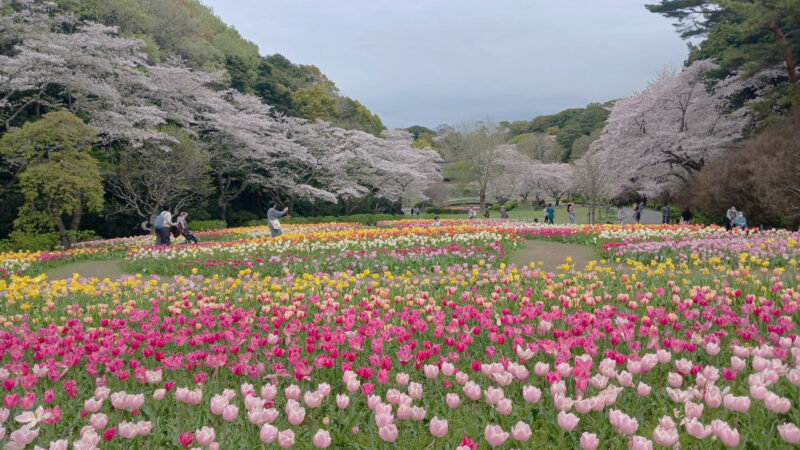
<point>18,240</point>
<point>205,225</point>
<point>365,219</point>
<point>434,210</point>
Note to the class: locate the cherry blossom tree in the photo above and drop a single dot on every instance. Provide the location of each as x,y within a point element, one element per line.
<point>664,134</point>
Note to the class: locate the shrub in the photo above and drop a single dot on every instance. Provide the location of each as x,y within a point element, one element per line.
<point>436,210</point>
<point>19,240</point>
<point>205,225</point>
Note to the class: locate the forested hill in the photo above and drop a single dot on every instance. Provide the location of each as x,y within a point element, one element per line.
<point>190,30</point>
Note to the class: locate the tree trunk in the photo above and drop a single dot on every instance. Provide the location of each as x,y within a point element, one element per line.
<point>787,52</point>
<point>483,199</point>
<point>75,223</point>
<point>62,231</point>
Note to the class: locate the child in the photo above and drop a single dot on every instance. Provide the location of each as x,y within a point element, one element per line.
<point>436,222</point>
<point>740,221</point>
<point>183,228</point>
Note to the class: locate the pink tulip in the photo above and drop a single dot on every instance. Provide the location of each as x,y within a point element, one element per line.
<point>381,420</point>
<point>452,400</point>
<point>418,413</point>
<point>448,369</point>
<point>777,404</point>
<point>415,390</point>
<point>159,394</point>
<point>558,387</point>
<point>92,405</point>
<point>567,421</point>
<point>296,415</point>
<point>729,436</point>
<point>22,437</point>
<point>521,432</point>
<point>495,435</point>
<point>286,438</point>
<point>562,403</point>
<point>643,389</point>
<point>268,433</point>
<point>431,371</point>
<point>230,413</point>
<point>531,394</point>
<point>640,443</point>
<point>342,401</point>
<point>292,392</point>
<point>462,378</point>
<point>128,430</point>
<point>4,413</point>
<point>589,441</point>
<point>438,427</point>
<point>504,406</point>
<point>372,401</point>
<point>401,379</point>
<point>696,429</point>
<point>472,390</point>
<point>583,405</point>
<point>665,437</point>
<point>98,421</point>
<point>218,404</point>
<point>388,433</point>
<point>322,439</point>
<point>252,402</point>
<point>205,436</point>
<point>541,368</point>
<point>674,379</point>
<point>404,412</point>
<point>693,410</point>
<point>789,432</point>
<point>624,423</point>
<point>268,392</point>
<point>736,404</point>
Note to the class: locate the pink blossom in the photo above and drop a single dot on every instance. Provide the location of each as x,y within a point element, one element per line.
<point>322,439</point>
<point>640,443</point>
<point>286,438</point>
<point>98,421</point>
<point>292,392</point>
<point>504,406</point>
<point>589,441</point>
<point>789,432</point>
<point>438,427</point>
<point>388,433</point>
<point>521,431</point>
<point>452,400</point>
<point>643,389</point>
<point>472,390</point>
<point>268,433</point>
<point>342,401</point>
<point>495,435</point>
<point>567,421</point>
<point>531,394</point>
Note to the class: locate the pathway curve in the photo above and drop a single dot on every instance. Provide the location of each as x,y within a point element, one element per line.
<point>89,269</point>
<point>553,254</point>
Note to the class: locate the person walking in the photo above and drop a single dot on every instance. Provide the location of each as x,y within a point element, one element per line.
<point>637,214</point>
<point>686,216</point>
<point>730,217</point>
<point>740,221</point>
<point>272,219</point>
<point>162,226</point>
<point>503,213</point>
<point>620,215</point>
<point>571,213</point>
<point>486,213</point>
<point>551,213</point>
<point>472,213</point>
<point>183,228</point>
<point>665,212</point>
<point>142,229</point>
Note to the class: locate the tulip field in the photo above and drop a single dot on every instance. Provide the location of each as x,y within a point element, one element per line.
<point>407,335</point>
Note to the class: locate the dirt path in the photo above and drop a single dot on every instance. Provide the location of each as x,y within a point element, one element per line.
<point>553,254</point>
<point>88,269</point>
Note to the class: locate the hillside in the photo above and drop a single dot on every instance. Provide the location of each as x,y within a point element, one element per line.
<point>191,31</point>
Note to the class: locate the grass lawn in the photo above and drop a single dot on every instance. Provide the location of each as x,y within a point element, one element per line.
<point>528,213</point>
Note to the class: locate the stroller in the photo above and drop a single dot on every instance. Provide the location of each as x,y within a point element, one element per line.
<point>189,236</point>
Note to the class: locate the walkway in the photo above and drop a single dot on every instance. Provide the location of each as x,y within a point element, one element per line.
<point>87,269</point>
<point>553,254</point>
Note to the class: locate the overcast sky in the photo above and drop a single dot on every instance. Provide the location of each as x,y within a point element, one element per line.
<point>431,62</point>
